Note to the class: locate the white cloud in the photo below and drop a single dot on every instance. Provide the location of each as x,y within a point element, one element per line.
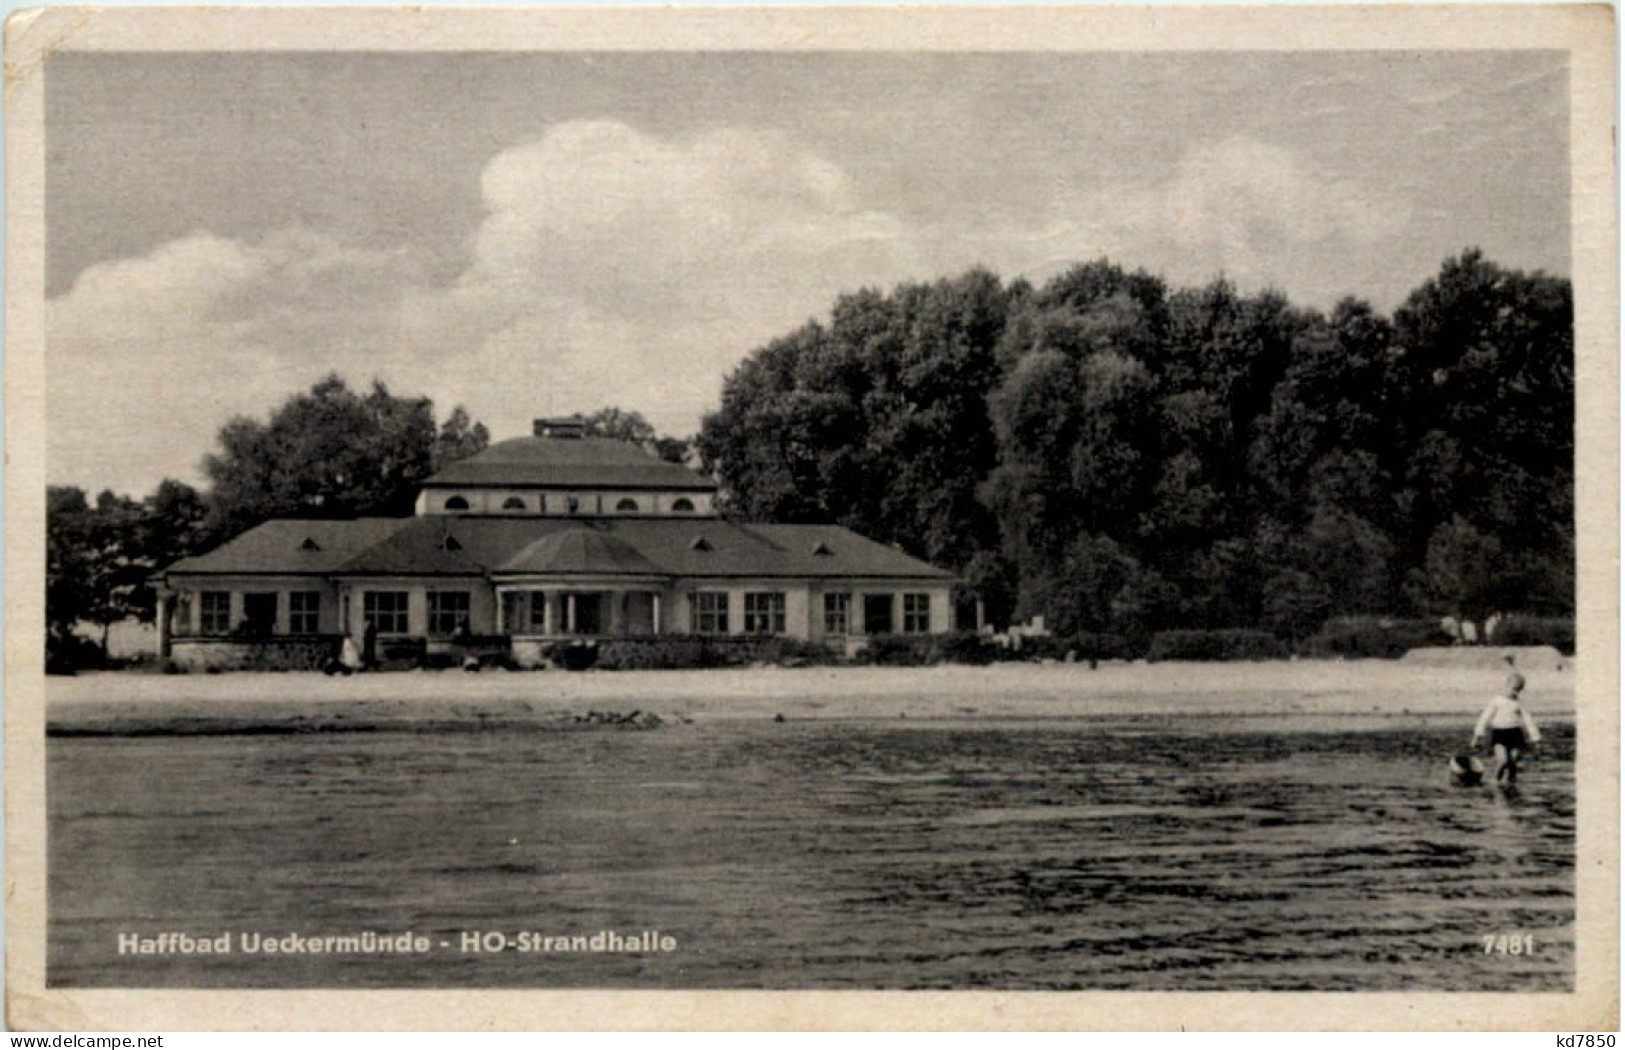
<point>1258,213</point>
<point>611,266</point>
<point>147,356</point>
<point>614,266</point>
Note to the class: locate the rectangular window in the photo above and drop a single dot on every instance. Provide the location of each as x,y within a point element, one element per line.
<point>916,613</point>
<point>837,613</point>
<point>448,612</point>
<point>304,612</point>
<point>215,607</point>
<point>710,612</point>
<point>538,612</point>
<point>385,610</point>
<point>764,612</point>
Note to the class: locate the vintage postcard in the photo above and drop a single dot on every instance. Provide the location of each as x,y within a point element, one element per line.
<point>819,518</point>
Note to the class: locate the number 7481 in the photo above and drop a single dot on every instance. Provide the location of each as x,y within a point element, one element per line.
<point>1509,943</point>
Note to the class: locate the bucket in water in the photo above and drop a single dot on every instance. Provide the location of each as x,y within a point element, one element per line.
<point>1466,771</point>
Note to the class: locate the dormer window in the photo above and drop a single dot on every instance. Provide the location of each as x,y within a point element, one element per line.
<point>822,548</point>
<point>627,506</point>
<point>513,503</point>
<point>450,543</point>
<point>457,503</point>
<point>309,545</point>
<point>683,505</point>
<point>700,543</point>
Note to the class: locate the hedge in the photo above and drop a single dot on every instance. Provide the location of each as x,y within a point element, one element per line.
<point>921,650</point>
<point>1234,644</point>
<point>1095,646</point>
<point>1374,637</point>
<point>683,652</point>
<point>1555,631</point>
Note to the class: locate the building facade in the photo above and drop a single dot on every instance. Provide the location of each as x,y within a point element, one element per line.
<point>537,540</point>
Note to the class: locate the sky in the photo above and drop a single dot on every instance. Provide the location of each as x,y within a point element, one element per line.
<point>538,234</point>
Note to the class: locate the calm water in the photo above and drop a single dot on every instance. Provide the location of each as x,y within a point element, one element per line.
<point>1193,854</point>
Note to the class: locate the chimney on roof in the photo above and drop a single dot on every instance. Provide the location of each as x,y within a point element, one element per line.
<point>566,428</point>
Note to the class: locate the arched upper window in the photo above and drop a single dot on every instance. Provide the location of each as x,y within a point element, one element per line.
<point>513,503</point>
<point>457,503</point>
<point>682,504</point>
<point>627,504</point>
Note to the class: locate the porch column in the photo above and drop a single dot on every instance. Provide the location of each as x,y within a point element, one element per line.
<point>617,612</point>
<point>981,615</point>
<point>166,609</point>
<point>654,616</point>
<point>502,611</point>
<point>549,611</point>
<point>570,612</point>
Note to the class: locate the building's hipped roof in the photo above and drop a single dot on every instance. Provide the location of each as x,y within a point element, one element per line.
<point>731,549</point>
<point>295,546</point>
<point>598,463</point>
<point>586,552</point>
<point>425,547</point>
<point>478,546</point>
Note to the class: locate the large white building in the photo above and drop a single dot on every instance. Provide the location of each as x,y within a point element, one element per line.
<point>540,539</point>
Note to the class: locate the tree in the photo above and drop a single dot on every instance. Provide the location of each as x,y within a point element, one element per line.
<point>1484,380</point>
<point>621,425</point>
<point>877,420</point>
<point>330,452</point>
<point>95,571</point>
<point>1461,573</point>
<point>459,438</point>
<point>68,590</point>
<point>1295,603</point>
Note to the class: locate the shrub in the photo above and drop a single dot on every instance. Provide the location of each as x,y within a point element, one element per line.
<point>1233,644</point>
<point>1374,637</point>
<point>1040,647</point>
<point>650,654</point>
<point>899,650</point>
<point>69,653</point>
<point>963,647</point>
<point>684,652</point>
<point>285,658</point>
<point>1090,645</point>
<point>573,656</point>
<point>788,652</point>
<point>1555,631</point>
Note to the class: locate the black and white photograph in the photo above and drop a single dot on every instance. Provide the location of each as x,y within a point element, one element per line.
<point>971,501</point>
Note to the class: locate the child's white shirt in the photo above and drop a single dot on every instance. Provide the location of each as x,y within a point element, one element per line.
<point>1506,713</point>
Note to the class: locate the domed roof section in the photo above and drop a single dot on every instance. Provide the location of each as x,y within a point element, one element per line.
<point>546,462</point>
<point>583,552</point>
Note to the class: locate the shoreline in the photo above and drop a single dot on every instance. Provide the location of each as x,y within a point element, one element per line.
<point>1288,694</point>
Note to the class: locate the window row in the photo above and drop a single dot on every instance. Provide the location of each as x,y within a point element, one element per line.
<point>569,505</point>
<point>764,613</point>
<point>259,612</point>
<point>877,614</point>
<point>449,612</point>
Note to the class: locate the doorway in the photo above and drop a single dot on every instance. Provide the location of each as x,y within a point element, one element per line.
<point>877,610</point>
<point>589,613</point>
<point>259,612</point>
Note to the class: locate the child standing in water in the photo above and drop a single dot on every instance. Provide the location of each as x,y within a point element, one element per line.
<point>1511,729</point>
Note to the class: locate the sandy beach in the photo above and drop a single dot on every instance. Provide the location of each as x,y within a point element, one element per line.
<point>1298,693</point>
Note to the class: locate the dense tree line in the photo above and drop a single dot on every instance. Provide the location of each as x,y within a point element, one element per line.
<point>1124,457</point>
